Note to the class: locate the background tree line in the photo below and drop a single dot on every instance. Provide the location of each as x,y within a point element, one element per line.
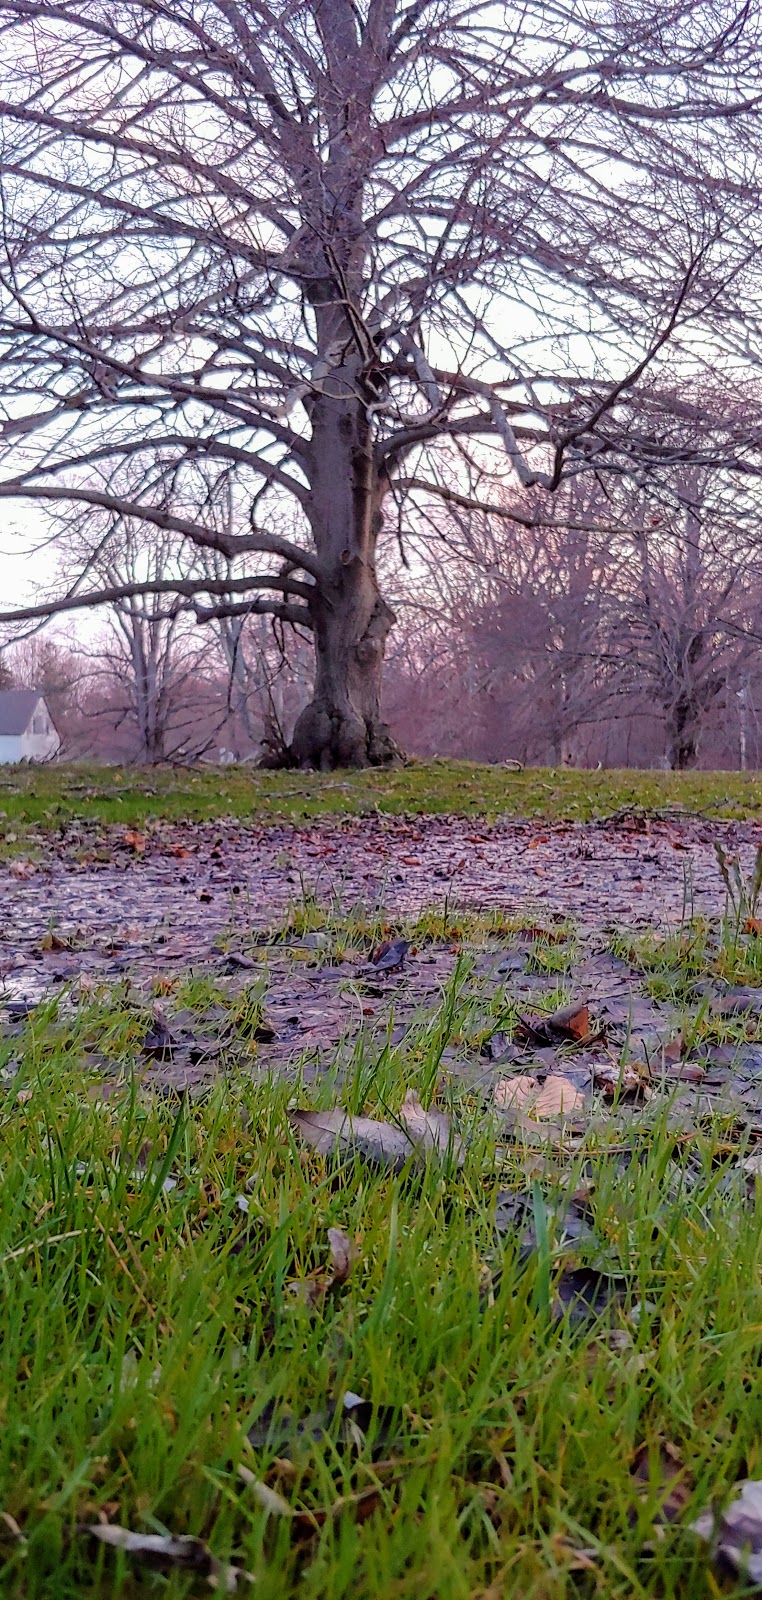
<point>606,623</point>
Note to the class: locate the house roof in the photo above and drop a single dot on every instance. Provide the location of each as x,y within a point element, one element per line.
<point>16,708</point>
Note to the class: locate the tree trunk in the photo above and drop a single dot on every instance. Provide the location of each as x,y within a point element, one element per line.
<point>343,726</point>
<point>682,737</point>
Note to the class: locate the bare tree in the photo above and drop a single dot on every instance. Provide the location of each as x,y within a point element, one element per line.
<point>304,242</point>
<point>51,665</point>
<point>688,624</point>
<point>147,653</point>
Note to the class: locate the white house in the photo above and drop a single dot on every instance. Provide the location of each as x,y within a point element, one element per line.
<point>27,730</point>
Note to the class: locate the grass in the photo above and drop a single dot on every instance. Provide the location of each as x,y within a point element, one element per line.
<point>157,1345</point>
<point>147,1248</point>
<point>52,797</point>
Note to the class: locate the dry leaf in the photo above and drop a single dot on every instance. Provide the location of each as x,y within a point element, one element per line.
<point>628,1080</point>
<point>736,1534</point>
<point>390,957</point>
<point>334,1132</point>
<point>557,1096</point>
<point>135,841</point>
<point>337,1133</point>
<point>343,1255</point>
<point>269,1498</point>
<point>430,1130</point>
<point>573,1020</point>
<point>165,1552</point>
<point>570,1023</point>
<point>514,1094</point>
<point>664,1473</point>
<point>672,1051</point>
<point>22,869</point>
<point>314,1289</point>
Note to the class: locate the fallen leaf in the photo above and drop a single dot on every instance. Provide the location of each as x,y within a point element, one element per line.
<point>22,869</point>
<point>735,1535</point>
<point>430,1130</point>
<point>754,925</point>
<point>687,1072</point>
<point>134,841</point>
<point>55,941</point>
<point>672,1051</point>
<point>313,1290</point>
<point>166,1552</point>
<point>390,957</point>
<point>628,1081</point>
<point>569,1023</point>
<point>160,1040</point>
<point>738,1001</point>
<point>343,1255</point>
<point>660,1470</point>
<point>336,1132</point>
<point>272,1502</point>
<point>557,1096</point>
<point>573,1020</point>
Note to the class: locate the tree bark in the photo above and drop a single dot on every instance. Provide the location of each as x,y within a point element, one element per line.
<point>682,737</point>
<point>343,724</point>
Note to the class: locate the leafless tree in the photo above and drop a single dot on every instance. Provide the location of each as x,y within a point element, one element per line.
<point>688,623</point>
<point>147,655</point>
<point>307,242</point>
<point>51,665</point>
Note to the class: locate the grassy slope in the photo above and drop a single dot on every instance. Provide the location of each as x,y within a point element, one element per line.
<point>50,795</point>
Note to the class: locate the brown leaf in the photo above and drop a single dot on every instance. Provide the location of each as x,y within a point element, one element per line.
<point>134,841</point>
<point>557,1096</point>
<point>55,941</point>
<point>430,1130</point>
<point>313,1290</point>
<point>337,1133</point>
<point>573,1020</point>
<point>514,1094</point>
<point>754,925</point>
<point>343,1255</point>
<point>390,956</point>
<point>569,1023</point>
<point>628,1080</point>
<point>664,1472</point>
<point>672,1051</point>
